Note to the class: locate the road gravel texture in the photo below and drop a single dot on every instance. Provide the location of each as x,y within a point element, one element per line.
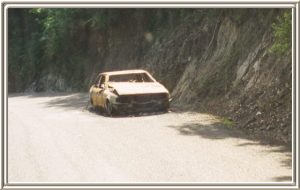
<point>53,138</point>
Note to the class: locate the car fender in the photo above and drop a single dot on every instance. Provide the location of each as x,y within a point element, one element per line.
<point>110,96</point>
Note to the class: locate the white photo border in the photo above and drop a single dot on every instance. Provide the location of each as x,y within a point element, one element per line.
<point>293,4</point>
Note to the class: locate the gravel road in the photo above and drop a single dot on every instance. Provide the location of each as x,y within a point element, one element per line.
<point>52,138</point>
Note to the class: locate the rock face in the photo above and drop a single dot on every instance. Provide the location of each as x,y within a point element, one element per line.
<point>237,77</point>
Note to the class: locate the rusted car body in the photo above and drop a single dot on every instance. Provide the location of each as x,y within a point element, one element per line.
<point>128,91</point>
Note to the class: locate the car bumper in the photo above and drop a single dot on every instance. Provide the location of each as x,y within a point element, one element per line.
<point>135,107</point>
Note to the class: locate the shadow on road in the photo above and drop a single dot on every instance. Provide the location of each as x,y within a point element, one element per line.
<point>62,99</point>
<point>73,101</point>
<point>39,94</point>
<point>217,131</point>
<point>214,131</point>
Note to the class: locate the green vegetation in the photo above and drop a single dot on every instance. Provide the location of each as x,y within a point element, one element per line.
<point>66,43</point>
<point>282,30</point>
<point>227,122</point>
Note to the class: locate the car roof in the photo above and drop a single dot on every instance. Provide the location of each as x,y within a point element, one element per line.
<point>124,72</point>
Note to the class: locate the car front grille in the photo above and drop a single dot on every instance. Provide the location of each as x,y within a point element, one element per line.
<point>141,98</point>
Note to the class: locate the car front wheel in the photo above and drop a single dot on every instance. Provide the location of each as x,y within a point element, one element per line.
<point>108,108</point>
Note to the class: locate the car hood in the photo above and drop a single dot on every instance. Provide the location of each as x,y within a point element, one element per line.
<point>126,88</point>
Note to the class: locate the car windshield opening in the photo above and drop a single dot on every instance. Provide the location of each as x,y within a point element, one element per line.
<point>132,77</point>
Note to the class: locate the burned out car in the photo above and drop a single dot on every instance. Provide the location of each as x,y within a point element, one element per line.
<point>128,91</point>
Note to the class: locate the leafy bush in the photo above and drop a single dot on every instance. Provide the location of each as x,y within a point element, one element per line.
<point>282,31</point>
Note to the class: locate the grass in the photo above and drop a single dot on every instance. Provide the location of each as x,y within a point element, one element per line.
<point>227,122</point>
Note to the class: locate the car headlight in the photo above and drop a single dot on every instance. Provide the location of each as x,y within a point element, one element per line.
<point>114,91</point>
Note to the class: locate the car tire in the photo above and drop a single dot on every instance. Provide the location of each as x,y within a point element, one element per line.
<point>108,108</point>
<point>94,107</point>
<point>165,108</point>
<point>92,104</point>
<point>91,100</point>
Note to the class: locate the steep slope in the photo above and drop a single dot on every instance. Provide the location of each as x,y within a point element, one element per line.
<point>239,78</point>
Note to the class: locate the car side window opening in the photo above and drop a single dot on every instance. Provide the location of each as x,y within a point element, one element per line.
<point>101,81</point>
<point>146,78</point>
<point>97,80</point>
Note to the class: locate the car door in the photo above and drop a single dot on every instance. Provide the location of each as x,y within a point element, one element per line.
<point>99,92</point>
<point>93,90</point>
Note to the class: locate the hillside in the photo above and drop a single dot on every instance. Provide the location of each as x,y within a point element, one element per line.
<point>230,62</point>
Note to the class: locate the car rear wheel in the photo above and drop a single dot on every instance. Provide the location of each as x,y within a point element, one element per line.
<point>108,108</point>
<point>94,108</point>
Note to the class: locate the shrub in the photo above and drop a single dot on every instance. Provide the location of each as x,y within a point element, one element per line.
<point>282,31</point>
